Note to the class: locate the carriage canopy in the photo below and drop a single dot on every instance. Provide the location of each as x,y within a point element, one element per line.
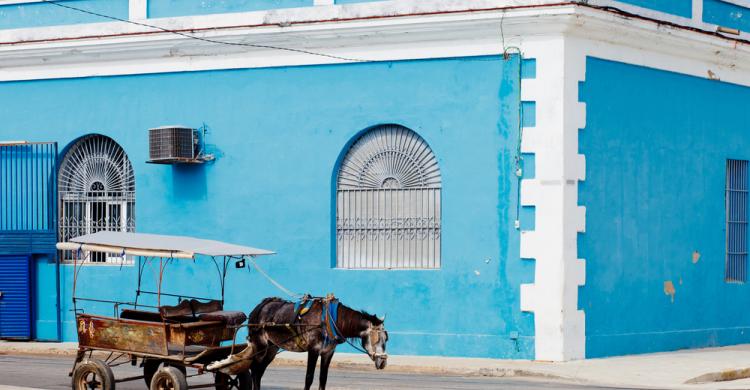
<point>157,245</point>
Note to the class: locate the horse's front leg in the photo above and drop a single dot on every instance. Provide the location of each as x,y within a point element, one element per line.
<point>325,361</point>
<point>312,360</point>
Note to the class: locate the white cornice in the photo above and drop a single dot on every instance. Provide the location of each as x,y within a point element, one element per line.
<point>739,3</point>
<point>275,17</point>
<point>412,32</point>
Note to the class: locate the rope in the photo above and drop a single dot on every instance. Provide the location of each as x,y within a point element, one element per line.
<point>275,283</point>
<point>358,348</point>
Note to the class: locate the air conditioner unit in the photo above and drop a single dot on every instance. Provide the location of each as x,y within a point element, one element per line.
<point>173,145</point>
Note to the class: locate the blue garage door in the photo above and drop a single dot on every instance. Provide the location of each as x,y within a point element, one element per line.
<point>28,195</point>
<point>15,298</point>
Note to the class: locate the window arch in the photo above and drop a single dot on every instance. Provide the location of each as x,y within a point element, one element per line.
<point>96,186</point>
<point>388,202</point>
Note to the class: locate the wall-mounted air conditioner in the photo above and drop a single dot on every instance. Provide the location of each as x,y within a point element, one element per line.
<point>174,145</point>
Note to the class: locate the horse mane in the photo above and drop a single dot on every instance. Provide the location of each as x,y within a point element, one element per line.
<point>350,320</point>
<point>371,317</point>
<point>254,316</point>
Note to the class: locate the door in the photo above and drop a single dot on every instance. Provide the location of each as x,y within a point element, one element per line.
<point>15,297</point>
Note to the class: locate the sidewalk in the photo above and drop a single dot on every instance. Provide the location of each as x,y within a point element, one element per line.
<point>669,370</point>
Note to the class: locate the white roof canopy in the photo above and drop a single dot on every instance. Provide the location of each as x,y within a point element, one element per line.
<point>156,245</point>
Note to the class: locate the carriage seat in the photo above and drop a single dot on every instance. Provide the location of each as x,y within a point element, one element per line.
<point>182,312</point>
<point>194,310</point>
<point>214,311</point>
<point>231,318</point>
<point>205,307</point>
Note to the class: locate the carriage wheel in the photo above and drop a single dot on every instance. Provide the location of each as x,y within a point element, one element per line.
<point>150,366</point>
<point>169,378</point>
<point>226,382</point>
<point>93,374</point>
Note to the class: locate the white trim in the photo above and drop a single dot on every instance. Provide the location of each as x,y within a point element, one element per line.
<point>739,3</point>
<point>323,2</point>
<point>680,51</point>
<point>347,12</point>
<point>380,39</point>
<point>697,11</point>
<point>695,21</point>
<point>137,9</point>
<point>442,35</point>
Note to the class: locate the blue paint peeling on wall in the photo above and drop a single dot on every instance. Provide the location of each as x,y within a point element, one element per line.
<point>726,14</point>
<point>277,133</point>
<point>41,14</point>
<point>656,145</point>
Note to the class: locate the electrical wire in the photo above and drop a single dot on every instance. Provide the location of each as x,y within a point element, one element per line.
<point>191,36</point>
<point>518,158</point>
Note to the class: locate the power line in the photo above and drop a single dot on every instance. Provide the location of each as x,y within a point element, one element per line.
<point>186,35</point>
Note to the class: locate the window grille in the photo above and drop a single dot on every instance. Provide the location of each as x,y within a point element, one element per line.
<point>96,187</point>
<point>388,202</point>
<point>736,217</point>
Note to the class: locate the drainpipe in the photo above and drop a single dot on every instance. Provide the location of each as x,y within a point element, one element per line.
<point>56,253</point>
<point>59,299</point>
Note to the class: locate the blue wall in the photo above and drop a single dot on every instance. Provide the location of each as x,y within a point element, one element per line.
<point>656,145</point>
<point>725,14</point>
<point>167,8</point>
<point>41,14</point>
<point>676,7</point>
<point>45,296</point>
<point>277,134</point>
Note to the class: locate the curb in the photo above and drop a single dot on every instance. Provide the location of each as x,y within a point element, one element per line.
<point>49,351</point>
<point>720,376</point>
<point>493,372</point>
<point>342,363</point>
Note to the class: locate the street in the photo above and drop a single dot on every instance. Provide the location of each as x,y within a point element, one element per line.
<point>51,372</point>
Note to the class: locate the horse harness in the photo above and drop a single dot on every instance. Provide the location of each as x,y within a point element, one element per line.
<point>329,316</point>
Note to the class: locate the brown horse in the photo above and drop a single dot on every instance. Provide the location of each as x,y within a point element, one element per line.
<point>316,328</point>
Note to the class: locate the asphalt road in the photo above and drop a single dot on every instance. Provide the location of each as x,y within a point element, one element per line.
<point>52,373</point>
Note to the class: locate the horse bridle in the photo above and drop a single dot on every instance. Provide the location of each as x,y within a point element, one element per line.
<point>373,338</point>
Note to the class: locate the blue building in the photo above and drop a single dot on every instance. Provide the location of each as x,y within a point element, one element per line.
<point>509,179</point>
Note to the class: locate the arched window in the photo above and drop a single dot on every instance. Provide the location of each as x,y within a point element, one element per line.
<point>388,202</point>
<point>96,186</point>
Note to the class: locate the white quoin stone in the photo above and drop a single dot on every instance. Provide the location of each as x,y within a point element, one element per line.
<point>553,297</point>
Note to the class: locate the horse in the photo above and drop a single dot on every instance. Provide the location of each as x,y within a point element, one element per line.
<point>315,326</point>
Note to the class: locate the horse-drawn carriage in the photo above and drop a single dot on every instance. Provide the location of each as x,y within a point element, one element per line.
<point>164,339</point>
<point>199,333</point>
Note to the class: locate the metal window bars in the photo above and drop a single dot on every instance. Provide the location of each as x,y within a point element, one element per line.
<point>736,199</point>
<point>388,206</point>
<point>96,192</point>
